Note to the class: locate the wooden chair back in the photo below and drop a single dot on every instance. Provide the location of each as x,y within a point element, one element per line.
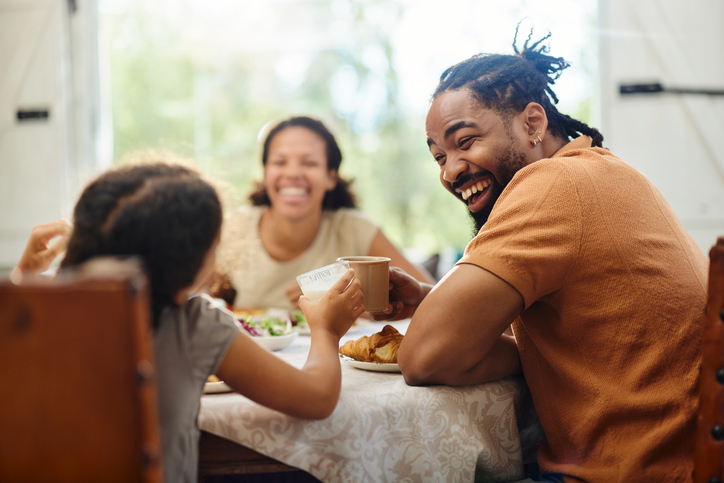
<point>709,448</point>
<point>77,384</point>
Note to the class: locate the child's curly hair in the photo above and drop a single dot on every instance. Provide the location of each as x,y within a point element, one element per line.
<point>163,213</point>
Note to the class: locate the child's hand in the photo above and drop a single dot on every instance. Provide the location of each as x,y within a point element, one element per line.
<point>337,309</point>
<point>39,253</point>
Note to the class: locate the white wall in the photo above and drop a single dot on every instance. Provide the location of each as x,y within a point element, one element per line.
<point>674,139</point>
<point>48,61</point>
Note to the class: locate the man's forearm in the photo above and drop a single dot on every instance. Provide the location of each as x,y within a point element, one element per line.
<point>500,362</point>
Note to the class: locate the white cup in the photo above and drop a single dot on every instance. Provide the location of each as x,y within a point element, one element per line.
<point>314,284</point>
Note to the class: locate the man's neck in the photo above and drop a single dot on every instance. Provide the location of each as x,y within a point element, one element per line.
<point>551,145</point>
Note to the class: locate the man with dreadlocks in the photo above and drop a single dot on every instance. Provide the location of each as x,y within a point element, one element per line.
<point>582,255</point>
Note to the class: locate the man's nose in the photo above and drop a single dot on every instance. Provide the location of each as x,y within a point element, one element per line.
<point>453,168</point>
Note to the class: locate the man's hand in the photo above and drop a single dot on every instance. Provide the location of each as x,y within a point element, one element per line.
<point>38,253</point>
<point>406,293</point>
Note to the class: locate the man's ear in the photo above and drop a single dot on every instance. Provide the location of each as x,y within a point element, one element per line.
<point>536,121</point>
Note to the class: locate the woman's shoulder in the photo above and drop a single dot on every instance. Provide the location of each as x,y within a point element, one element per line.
<point>351,229</point>
<point>351,216</point>
<point>240,226</point>
<point>243,213</point>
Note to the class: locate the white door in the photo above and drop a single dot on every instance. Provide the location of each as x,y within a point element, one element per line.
<point>34,153</point>
<point>48,113</point>
<point>674,139</point>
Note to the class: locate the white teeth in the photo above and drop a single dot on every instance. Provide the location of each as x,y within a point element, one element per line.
<point>479,186</point>
<point>292,191</point>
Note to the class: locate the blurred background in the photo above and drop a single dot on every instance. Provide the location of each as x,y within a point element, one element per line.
<point>89,83</point>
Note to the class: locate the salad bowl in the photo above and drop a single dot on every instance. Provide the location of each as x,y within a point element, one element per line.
<point>277,342</point>
<point>273,332</point>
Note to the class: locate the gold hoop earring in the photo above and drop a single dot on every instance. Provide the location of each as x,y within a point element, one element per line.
<point>537,139</point>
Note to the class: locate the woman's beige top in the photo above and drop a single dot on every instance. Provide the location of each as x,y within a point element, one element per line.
<point>259,279</point>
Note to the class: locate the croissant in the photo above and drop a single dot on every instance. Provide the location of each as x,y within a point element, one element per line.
<point>379,347</point>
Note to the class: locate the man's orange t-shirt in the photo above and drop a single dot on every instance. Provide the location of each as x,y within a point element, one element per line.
<point>610,338</point>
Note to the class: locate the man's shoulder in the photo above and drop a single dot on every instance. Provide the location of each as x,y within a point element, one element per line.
<point>590,153</point>
<point>576,162</point>
<point>559,180</point>
<point>542,173</point>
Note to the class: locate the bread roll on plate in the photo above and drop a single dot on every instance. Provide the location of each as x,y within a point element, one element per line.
<point>380,347</point>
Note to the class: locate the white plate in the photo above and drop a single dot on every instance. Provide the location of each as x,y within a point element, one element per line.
<point>358,326</point>
<point>277,342</point>
<point>371,366</point>
<point>216,387</point>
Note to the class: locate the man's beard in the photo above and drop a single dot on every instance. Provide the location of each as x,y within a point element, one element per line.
<point>509,163</point>
<point>481,217</point>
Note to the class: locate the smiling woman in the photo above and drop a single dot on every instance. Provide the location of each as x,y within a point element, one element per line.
<point>199,77</point>
<point>303,217</point>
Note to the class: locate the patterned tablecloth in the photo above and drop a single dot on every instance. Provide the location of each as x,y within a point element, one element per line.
<point>383,430</point>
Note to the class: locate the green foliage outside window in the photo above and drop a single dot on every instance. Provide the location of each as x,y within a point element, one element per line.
<point>201,83</point>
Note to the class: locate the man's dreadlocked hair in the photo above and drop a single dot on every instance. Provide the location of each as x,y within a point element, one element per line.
<point>507,83</point>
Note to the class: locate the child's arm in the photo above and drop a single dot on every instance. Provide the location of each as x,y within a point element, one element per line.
<point>311,392</point>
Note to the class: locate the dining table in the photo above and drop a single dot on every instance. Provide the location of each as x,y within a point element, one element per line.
<point>383,430</point>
